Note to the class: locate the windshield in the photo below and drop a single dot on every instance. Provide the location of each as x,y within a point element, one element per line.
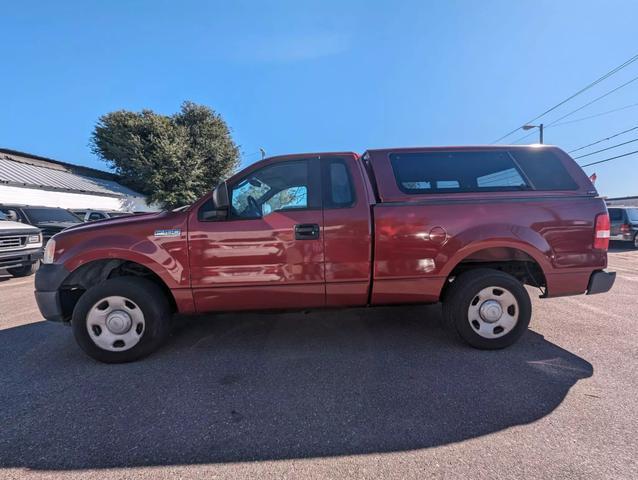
<point>3,216</point>
<point>632,213</point>
<point>39,215</point>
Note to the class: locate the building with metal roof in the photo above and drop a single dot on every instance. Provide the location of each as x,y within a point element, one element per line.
<point>623,201</point>
<point>34,180</point>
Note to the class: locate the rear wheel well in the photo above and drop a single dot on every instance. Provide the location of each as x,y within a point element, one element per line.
<point>96,272</point>
<point>509,260</point>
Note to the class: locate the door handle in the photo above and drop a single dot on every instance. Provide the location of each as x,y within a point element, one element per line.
<point>307,231</point>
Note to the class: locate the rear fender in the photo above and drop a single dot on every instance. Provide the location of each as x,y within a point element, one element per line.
<point>509,236</point>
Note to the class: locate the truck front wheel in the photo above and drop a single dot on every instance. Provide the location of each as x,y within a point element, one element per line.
<point>121,320</point>
<point>489,309</point>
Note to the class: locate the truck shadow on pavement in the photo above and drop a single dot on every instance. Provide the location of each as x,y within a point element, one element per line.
<point>247,387</point>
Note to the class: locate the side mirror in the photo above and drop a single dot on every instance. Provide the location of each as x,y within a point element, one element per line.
<point>220,196</point>
<point>216,208</point>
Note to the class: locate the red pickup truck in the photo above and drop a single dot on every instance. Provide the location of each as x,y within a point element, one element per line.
<point>467,226</point>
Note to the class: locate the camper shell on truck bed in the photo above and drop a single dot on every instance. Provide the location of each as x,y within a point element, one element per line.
<point>468,226</point>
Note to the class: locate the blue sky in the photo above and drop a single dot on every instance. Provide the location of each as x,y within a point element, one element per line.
<point>297,76</point>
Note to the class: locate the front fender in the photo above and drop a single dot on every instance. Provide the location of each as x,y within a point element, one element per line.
<point>165,257</point>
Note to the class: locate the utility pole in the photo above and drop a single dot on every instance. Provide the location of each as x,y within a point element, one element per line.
<point>263,152</point>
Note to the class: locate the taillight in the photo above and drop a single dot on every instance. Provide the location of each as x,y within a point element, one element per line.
<point>625,228</point>
<point>601,233</point>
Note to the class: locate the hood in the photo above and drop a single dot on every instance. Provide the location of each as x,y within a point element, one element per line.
<point>8,225</point>
<point>123,222</point>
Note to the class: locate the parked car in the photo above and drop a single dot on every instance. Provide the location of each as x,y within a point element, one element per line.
<point>49,220</point>
<point>468,226</point>
<point>93,215</point>
<point>624,224</point>
<point>20,247</point>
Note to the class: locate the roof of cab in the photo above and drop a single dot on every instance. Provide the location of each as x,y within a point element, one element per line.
<point>458,148</point>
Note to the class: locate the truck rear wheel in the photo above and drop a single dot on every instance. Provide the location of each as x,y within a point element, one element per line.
<point>24,270</point>
<point>488,308</point>
<point>121,320</point>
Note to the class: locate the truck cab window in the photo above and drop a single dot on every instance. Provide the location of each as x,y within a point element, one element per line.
<point>338,185</point>
<point>283,186</point>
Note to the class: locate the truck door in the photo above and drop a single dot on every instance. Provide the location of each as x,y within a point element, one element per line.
<point>347,231</point>
<point>269,252</point>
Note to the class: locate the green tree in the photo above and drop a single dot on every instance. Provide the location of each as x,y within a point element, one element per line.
<point>171,159</point>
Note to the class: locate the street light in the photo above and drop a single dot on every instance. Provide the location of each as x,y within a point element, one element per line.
<point>540,129</point>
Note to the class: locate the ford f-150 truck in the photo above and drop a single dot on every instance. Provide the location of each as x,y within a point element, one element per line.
<point>467,226</point>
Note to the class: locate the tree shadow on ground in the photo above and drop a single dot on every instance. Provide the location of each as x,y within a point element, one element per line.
<point>243,387</point>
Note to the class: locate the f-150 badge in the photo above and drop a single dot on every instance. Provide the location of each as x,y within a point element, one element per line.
<point>169,232</point>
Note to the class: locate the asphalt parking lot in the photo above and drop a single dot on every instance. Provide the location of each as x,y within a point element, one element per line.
<point>361,393</point>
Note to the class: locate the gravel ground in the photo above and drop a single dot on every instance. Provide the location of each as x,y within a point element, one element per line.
<point>362,393</point>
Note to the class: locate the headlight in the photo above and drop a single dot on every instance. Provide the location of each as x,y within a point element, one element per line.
<point>49,252</point>
<point>34,238</point>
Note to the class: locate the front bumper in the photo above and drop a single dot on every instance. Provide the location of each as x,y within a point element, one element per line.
<point>48,280</point>
<point>600,282</point>
<point>18,258</point>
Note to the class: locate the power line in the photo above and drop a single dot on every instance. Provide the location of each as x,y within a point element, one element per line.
<point>609,159</point>
<point>605,149</point>
<point>524,137</point>
<point>603,140</point>
<point>581,107</point>
<point>569,122</point>
<point>595,115</point>
<point>594,83</point>
<point>593,101</point>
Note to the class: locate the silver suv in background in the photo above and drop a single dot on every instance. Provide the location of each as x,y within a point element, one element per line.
<point>20,247</point>
<point>89,215</point>
<point>624,224</point>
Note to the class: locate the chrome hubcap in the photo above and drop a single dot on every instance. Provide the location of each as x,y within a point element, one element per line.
<point>115,323</point>
<point>493,312</point>
<point>118,322</point>
<point>490,311</point>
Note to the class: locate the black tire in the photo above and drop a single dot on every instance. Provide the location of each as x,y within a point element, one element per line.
<point>146,295</point>
<point>464,290</point>
<point>636,241</point>
<point>24,270</point>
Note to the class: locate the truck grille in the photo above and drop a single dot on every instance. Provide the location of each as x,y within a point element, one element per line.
<point>11,243</point>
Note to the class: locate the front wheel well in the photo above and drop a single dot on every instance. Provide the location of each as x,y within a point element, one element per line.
<point>96,272</point>
<point>512,261</point>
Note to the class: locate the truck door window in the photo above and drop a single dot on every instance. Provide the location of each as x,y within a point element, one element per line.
<point>277,187</point>
<point>292,197</point>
